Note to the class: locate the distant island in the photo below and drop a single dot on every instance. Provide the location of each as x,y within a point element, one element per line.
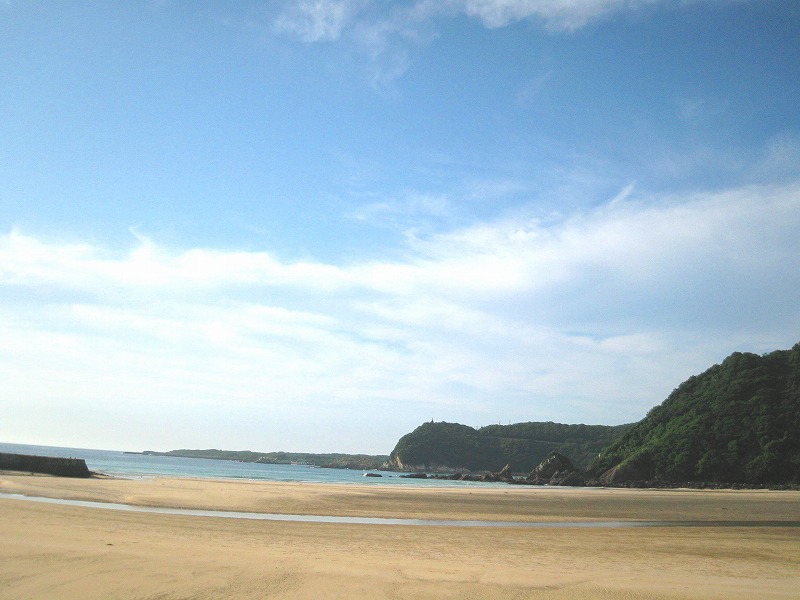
<point>329,461</point>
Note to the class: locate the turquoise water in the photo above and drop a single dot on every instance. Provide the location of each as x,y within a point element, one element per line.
<point>119,464</point>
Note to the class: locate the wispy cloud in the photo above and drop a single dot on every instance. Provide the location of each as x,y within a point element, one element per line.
<point>533,87</point>
<point>385,34</point>
<point>591,318</point>
<point>390,33</point>
<point>318,20</point>
<point>410,213</point>
<point>779,159</point>
<point>556,14</point>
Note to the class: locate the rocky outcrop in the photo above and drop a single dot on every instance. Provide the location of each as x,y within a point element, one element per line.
<point>623,473</point>
<point>48,465</point>
<point>395,463</point>
<point>505,474</point>
<point>572,479</point>
<point>556,469</point>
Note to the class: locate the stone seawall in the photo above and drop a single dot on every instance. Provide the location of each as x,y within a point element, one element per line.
<point>49,465</point>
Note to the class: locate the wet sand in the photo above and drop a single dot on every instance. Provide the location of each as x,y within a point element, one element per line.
<point>73,552</point>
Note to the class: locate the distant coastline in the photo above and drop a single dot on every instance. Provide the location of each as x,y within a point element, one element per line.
<point>328,461</point>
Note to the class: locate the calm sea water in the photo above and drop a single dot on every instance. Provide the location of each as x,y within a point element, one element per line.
<point>119,464</point>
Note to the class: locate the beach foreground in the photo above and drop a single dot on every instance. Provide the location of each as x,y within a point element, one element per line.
<point>52,551</point>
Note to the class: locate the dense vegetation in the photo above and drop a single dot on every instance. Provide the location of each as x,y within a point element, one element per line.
<point>333,461</point>
<point>738,422</point>
<point>451,446</point>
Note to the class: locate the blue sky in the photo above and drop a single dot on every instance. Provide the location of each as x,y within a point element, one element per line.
<point>313,225</point>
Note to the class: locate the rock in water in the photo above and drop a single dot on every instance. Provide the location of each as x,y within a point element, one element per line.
<point>556,469</point>
<point>505,474</point>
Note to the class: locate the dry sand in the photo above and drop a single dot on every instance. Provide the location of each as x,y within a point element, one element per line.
<point>51,551</point>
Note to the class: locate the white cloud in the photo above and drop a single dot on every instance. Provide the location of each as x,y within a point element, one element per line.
<point>27,260</point>
<point>389,33</point>
<point>593,318</point>
<point>317,20</point>
<point>557,14</point>
<point>384,34</point>
<point>376,22</point>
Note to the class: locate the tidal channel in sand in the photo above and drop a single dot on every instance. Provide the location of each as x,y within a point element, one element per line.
<point>66,551</point>
<point>258,516</point>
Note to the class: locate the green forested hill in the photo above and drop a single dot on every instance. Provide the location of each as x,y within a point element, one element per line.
<point>738,422</point>
<point>434,446</point>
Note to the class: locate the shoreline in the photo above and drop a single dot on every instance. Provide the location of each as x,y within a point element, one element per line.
<point>51,550</point>
<point>475,503</point>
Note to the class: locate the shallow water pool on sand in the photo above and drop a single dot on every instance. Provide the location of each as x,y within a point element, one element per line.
<point>190,512</point>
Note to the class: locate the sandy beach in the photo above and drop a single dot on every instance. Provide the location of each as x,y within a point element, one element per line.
<point>52,551</point>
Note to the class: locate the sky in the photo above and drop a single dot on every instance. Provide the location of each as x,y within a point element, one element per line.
<point>313,225</point>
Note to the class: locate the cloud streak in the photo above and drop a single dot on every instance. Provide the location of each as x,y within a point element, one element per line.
<point>566,15</point>
<point>328,20</point>
<point>593,318</point>
<point>318,20</point>
<point>389,34</point>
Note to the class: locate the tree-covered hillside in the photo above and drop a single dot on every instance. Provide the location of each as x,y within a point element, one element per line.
<point>451,446</point>
<point>738,422</point>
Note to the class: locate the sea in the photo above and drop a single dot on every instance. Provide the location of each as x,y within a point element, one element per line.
<point>140,466</point>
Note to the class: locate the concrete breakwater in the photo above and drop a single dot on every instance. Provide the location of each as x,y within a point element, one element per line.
<point>49,465</point>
